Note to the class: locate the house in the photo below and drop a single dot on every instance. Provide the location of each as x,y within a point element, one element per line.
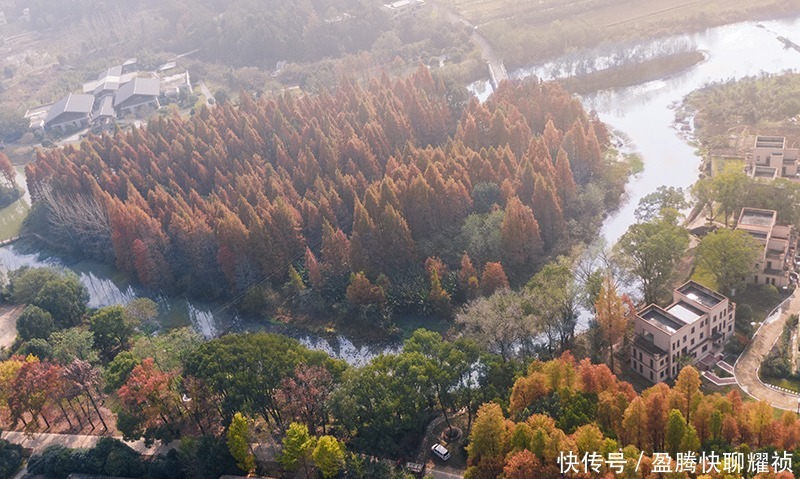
<point>103,114</point>
<point>697,323</point>
<point>403,8</point>
<point>108,82</point>
<point>771,159</point>
<point>137,95</point>
<point>775,260</point>
<point>72,112</point>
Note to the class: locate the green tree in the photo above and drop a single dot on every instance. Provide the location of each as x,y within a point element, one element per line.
<point>65,299</point>
<point>239,443</point>
<point>112,328</point>
<point>447,364</point>
<point>25,283</point>
<point>555,296</point>
<point>730,256</point>
<point>665,197</point>
<point>690,441</point>
<point>297,447</point>
<point>382,404</point>
<point>676,430</point>
<point>652,250</point>
<point>729,188</point>
<point>328,456</point>
<point>13,123</point>
<point>118,370</point>
<point>261,362</point>
<point>703,194</point>
<point>168,350</point>
<point>73,343</point>
<point>34,323</point>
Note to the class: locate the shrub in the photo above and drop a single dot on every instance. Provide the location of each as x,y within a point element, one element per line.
<point>10,458</point>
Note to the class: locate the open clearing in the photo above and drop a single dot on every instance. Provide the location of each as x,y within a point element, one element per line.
<point>525,31</point>
<point>8,324</point>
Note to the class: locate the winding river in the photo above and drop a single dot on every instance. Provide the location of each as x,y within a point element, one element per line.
<point>644,113</point>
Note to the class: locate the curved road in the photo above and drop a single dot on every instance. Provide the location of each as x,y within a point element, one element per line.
<point>746,367</point>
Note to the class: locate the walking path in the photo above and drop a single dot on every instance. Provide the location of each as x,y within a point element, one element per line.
<point>746,367</point>
<point>39,441</point>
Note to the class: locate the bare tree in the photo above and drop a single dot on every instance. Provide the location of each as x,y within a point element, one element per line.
<point>76,220</point>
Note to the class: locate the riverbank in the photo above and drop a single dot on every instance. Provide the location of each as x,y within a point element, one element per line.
<point>534,32</point>
<point>728,115</point>
<point>632,74</point>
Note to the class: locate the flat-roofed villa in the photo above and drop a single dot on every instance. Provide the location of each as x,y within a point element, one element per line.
<point>773,264</point>
<point>403,8</point>
<point>697,324</point>
<point>771,159</point>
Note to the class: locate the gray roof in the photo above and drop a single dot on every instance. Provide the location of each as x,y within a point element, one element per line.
<point>105,108</point>
<point>137,87</point>
<point>72,103</point>
<point>114,71</point>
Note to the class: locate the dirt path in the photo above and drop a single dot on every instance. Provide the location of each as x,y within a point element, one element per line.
<point>8,324</point>
<point>746,367</point>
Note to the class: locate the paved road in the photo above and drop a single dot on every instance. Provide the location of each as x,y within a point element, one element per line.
<point>39,441</point>
<point>441,472</point>
<point>746,368</point>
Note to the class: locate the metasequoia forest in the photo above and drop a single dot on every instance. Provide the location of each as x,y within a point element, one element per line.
<point>390,196</point>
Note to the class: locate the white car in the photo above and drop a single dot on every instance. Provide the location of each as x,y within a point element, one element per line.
<point>440,451</point>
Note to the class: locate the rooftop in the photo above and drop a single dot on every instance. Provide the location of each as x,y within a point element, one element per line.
<point>647,346</point>
<point>661,319</point>
<point>72,103</point>
<point>105,108</point>
<point>757,217</point>
<point>139,86</point>
<point>700,294</point>
<point>685,312</point>
<point>765,172</point>
<point>770,142</point>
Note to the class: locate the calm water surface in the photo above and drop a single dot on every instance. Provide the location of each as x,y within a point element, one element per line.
<point>644,113</point>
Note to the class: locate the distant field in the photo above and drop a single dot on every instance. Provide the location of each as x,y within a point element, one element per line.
<point>524,31</point>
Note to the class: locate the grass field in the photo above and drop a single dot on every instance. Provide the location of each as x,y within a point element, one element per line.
<point>525,31</point>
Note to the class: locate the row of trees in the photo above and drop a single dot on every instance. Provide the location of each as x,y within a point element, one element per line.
<point>565,405</point>
<point>367,180</point>
<point>169,387</point>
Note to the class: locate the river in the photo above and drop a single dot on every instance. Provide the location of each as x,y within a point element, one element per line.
<point>643,113</point>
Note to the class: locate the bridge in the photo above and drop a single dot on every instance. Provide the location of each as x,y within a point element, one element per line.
<point>497,72</point>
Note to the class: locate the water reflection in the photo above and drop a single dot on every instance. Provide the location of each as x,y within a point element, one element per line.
<point>643,113</point>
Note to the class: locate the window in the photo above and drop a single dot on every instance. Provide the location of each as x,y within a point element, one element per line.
<point>651,375</point>
<point>692,329</point>
<point>705,347</point>
<point>651,363</point>
<point>701,335</point>
<point>692,343</point>
<point>730,327</point>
